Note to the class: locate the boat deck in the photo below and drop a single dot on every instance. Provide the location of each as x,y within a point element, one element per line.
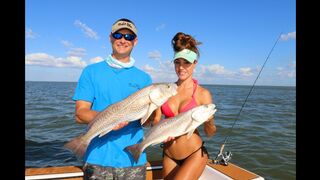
<point>212,171</point>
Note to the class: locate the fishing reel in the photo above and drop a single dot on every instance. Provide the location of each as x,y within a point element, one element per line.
<point>223,158</point>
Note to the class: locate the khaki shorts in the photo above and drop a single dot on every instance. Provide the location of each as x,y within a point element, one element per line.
<point>97,172</point>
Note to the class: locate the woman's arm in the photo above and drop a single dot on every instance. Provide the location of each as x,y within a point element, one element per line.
<point>209,126</point>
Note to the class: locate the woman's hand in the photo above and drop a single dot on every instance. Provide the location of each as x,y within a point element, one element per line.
<point>168,139</point>
<point>120,125</point>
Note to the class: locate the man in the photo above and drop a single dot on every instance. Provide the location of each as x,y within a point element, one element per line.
<point>101,85</point>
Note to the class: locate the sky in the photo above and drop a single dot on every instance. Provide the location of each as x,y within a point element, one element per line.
<point>64,36</point>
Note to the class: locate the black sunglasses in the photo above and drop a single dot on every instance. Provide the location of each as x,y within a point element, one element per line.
<point>128,37</point>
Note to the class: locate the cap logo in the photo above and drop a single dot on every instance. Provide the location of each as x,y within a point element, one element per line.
<point>124,24</point>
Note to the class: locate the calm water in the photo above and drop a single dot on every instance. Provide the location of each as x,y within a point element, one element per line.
<point>262,141</point>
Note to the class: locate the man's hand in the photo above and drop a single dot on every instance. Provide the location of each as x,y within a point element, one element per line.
<point>120,125</point>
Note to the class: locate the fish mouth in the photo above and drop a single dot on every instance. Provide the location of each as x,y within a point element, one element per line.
<point>174,89</point>
<point>211,106</point>
<point>212,109</point>
<point>174,85</point>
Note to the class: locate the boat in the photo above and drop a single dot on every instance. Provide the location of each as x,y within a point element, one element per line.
<point>211,171</point>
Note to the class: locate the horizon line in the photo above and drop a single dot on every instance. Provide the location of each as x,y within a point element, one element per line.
<point>200,84</point>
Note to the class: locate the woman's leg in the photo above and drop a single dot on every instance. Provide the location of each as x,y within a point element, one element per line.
<point>193,166</point>
<point>169,169</point>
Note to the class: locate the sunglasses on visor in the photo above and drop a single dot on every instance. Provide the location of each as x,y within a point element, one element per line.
<point>128,37</point>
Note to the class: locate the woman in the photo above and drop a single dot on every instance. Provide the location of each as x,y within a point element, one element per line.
<point>185,158</point>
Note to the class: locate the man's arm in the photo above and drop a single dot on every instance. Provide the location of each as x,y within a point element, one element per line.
<point>83,112</point>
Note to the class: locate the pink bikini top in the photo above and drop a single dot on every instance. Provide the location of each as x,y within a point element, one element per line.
<point>166,110</point>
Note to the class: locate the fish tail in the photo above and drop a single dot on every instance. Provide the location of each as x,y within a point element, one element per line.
<point>77,145</point>
<point>135,151</point>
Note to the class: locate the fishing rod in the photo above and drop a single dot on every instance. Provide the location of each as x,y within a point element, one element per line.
<point>224,158</point>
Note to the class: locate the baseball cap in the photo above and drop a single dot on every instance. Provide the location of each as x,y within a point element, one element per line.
<point>122,24</point>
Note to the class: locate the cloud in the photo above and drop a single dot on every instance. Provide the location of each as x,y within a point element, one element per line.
<point>30,34</point>
<point>96,59</point>
<point>215,69</point>
<point>149,68</point>
<point>160,74</point>
<point>43,59</point>
<point>286,37</point>
<point>66,43</point>
<point>154,55</point>
<point>287,72</point>
<point>215,72</point>
<point>246,71</point>
<point>77,52</point>
<point>160,27</point>
<point>163,71</point>
<point>292,64</point>
<point>73,51</point>
<point>280,68</point>
<point>87,30</point>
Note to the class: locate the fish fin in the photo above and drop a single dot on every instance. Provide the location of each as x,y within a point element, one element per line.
<point>134,151</point>
<point>193,123</point>
<point>196,115</point>
<point>77,145</point>
<point>190,133</point>
<point>151,108</point>
<point>154,96</point>
<point>104,133</point>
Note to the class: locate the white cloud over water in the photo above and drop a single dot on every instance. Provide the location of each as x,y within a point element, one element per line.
<point>246,71</point>
<point>215,69</point>
<point>164,71</point>
<point>289,71</point>
<point>43,59</point>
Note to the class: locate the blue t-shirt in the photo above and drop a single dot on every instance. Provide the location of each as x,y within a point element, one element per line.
<point>103,85</point>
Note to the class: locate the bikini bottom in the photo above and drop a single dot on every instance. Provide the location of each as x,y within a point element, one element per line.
<point>180,161</point>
